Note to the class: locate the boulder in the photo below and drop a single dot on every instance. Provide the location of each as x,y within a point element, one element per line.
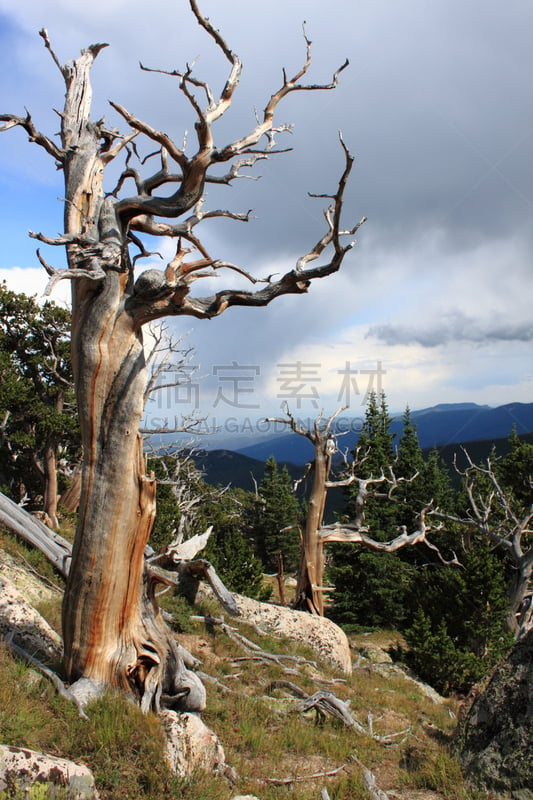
<point>325,638</point>
<point>494,739</point>
<point>30,630</point>
<point>22,769</point>
<point>375,659</point>
<point>191,745</point>
<point>29,584</point>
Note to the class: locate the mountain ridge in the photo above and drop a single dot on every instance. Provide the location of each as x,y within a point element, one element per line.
<point>437,426</point>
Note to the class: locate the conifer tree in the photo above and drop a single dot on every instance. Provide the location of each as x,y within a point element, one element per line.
<point>516,469</point>
<point>229,548</point>
<point>276,517</point>
<point>408,463</point>
<point>370,588</point>
<point>458,629</point>
<point>37,407</point>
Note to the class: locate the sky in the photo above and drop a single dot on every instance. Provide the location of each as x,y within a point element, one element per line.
<point>433,303</point>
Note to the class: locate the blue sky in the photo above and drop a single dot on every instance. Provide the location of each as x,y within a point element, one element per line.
<point>436,106</point>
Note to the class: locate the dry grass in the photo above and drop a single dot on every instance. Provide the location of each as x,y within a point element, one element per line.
<point>263,735</point>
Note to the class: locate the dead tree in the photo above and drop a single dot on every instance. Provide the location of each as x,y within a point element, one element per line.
<point>494,514</point>
<point>310,587</point>
<point>113,633</point>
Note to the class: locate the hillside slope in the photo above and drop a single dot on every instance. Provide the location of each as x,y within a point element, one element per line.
<point>255,688</point>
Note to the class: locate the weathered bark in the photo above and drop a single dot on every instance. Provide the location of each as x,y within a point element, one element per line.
<point>70,498</point>
<point>50,497</point>
<point>310,588</point>
<point>31,530</point>
<point>113,633</point>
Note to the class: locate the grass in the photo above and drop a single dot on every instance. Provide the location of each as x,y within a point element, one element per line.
<point>262,735</point>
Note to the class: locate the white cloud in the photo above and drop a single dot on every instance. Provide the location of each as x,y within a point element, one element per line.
<point>32,281</point>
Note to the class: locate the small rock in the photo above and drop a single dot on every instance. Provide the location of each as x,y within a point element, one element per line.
<point>191,745</point>
<point>21,769</point>
<point>376,655</point>
<point>245,797</point>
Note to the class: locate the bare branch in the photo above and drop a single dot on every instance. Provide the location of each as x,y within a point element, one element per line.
<point>157,136</point>
<point>12,121</point>
<point>356,533</point>
<point>71,274</point>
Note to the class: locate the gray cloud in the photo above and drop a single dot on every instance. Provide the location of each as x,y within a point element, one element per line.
<point>434,107</point>
<point>452,327</point>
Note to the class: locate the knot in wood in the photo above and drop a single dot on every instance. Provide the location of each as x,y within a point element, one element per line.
<point>152,285</point>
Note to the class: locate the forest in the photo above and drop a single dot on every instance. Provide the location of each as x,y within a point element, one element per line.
<point>471,525</point>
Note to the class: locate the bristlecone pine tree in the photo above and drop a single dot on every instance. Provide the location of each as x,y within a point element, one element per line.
<point>113,634</point>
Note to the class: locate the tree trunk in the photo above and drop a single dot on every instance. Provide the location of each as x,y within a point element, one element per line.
<point>310,589</point>
<point>112,631</point>
<point>520,617</point>
<point>50,481</point>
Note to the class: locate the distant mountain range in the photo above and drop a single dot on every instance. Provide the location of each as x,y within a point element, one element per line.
<point>447,427</point>
<point>441,425</point>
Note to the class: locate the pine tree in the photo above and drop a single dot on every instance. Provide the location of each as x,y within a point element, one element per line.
<point>228,548</point>
<point>371,588</point>
<point>375,442</point>
<point>516,469</point>
<point>458,631</point>
<point>408,466</point>
<point>188,504</point>
<point>37,407</point>
<point>277,510</point>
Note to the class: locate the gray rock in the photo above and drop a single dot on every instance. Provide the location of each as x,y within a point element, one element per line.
<point>85,690</point>
<point>494,739</point>
<point>22,769</point>
<point>191,745</point>
<point>325,638</point>
<point>30,630</point>
<point>245,797</point>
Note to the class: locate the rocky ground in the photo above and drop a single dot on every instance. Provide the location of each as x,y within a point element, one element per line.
<point>383,735</point>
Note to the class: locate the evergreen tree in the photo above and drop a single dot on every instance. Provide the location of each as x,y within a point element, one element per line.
<point>458,631</point>
<point>409,457</point>
<point>379,589</point>
<point>376,443</point>
<point>275,519</point>
<point>434,482</point>
<point>228,548</point>
<point>409,461</point>
<point>37,407</point>
<point>371,588</point>
<point>187,503</point>
<point>516,470</point>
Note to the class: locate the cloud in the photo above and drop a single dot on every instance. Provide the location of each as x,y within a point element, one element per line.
<point>453,326</point>
<point>433,107</point>
<point>32,282</point>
